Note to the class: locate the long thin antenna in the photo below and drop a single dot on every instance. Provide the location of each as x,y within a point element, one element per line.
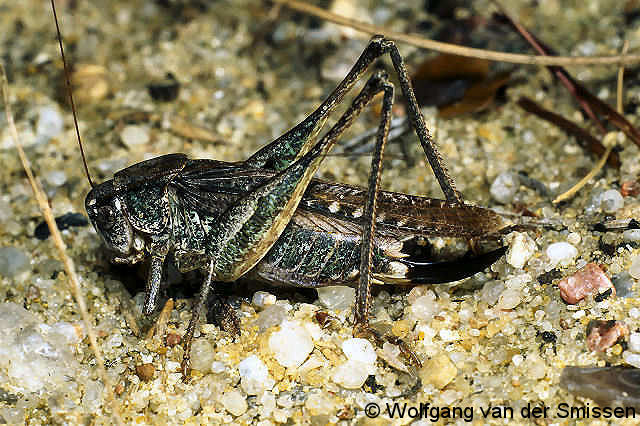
<point>70,93</point>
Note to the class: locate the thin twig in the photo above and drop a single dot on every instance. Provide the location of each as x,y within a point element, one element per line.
<point>160,327</point>
<point>620,95</point>
<point>62,250</point>
<point>573,190</point>
<point>455,49</point>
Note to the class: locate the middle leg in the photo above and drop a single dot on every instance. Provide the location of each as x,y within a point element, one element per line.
<point>363,291</point>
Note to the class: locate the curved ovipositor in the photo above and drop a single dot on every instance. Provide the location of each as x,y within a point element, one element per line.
<point>454,270</point>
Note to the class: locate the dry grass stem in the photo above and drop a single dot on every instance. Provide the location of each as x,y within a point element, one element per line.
<point>575,188</point>
<point>160,327</point>
<point>62,250</point>
<point>455,49</point>
<point>620,94</point>
<point>127,309</point>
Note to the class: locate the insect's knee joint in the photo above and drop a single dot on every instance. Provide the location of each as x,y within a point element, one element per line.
<point>377,39</point>
<point>381,44</point>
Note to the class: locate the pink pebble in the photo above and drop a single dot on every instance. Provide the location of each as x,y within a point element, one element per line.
<point>588,280</point>
<point>604,334</point>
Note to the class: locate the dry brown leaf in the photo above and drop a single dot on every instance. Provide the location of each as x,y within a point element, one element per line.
<point>477,98</point>
<point>451,67</point>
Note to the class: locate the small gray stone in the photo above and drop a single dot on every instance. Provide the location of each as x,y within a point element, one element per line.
<point>64,332</point>
<point>561,253</point>
<point>593,205</point>
<point>6,212</point>
<point>504,187</point>
<point>352,374</point>
<point>13,318</point>
<point>509,299</point>
<point>218,367</point>
<point>491,291</point>
<point>631,235</point>
<point>634,269</point>
<point>291,345</point>
<point>521,249</point>
<point>631,358</point>
<point>359,350</point>
<point>202,355</point>
<point>261,299</point>
<point>115,341</point>
<point>56,178</point>
<point>12,261</point>
<point>292,398</point>
<point>337,298</point>
<point>271,316</point>
<point>92,398</point>
<point>50,124</point>
<point>623,284</point>
<point>32,358</point>
<point>424,307</point>
<point>254,376</point>
<point>611,201</point>
<point>587,47</point>
<point>234,402</point>
<point>134,135</point>
<point>634,342</point>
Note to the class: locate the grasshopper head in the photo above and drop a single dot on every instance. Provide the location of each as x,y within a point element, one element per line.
<point>109,218</point>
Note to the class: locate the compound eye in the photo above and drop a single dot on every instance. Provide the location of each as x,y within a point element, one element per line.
<point>107,217</point>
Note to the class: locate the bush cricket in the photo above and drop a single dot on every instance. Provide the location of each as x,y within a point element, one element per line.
<point>268,219</point>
